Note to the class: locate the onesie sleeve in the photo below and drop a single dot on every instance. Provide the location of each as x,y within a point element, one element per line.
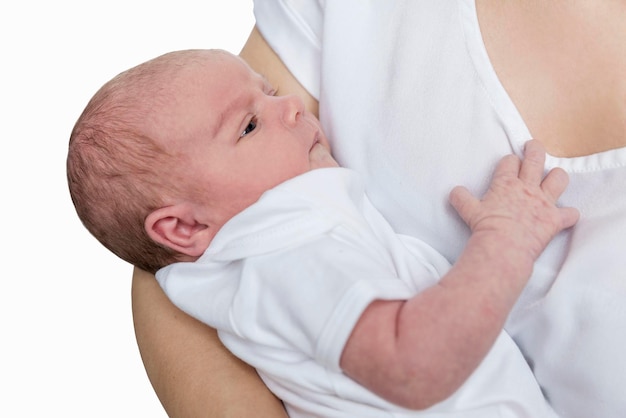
<point>308,300</point>
<point>293,29</point>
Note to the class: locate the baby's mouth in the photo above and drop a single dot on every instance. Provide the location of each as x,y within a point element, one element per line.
<point>316,140</point>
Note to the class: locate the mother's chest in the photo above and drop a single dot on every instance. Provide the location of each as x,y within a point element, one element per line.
<point>564,66</point>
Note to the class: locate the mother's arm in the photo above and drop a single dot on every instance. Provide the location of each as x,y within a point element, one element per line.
<point>191,371</point>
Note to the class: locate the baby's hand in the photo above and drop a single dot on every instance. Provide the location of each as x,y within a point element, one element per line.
<point>520,205</point>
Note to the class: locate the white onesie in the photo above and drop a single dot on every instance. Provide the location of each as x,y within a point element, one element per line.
<point>286,280</point>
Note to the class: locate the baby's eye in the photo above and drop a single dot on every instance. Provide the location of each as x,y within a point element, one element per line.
<point>251,126</point>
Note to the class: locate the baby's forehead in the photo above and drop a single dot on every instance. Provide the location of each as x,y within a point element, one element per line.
<point>237,74</point>
<point>243,65</point>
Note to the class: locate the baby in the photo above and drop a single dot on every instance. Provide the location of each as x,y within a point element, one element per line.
<point>190,166</point>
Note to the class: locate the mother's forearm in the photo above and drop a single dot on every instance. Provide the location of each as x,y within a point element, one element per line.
<point>191,372</point>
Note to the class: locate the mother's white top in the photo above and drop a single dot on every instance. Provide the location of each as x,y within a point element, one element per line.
<point>409,99</point>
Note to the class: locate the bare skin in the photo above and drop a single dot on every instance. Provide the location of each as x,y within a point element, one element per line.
<point>519,36</point>
<point>563,65</point>
<point>418,352</point>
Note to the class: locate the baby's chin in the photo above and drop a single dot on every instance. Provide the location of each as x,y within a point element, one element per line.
<point>320,157</point>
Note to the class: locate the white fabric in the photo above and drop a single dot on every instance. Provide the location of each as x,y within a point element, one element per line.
<point>409,99</point>
<point>285,281</point>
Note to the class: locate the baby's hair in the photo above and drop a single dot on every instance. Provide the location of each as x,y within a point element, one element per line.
<point>117,173</point>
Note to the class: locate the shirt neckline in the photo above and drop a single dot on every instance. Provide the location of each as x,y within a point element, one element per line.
<point>512,122</point>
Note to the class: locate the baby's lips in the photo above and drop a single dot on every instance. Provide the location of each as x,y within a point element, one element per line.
<point>320,157</point>
<point>316,140</point>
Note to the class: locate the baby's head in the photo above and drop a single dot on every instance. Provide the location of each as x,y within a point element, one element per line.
<point>167,152</point>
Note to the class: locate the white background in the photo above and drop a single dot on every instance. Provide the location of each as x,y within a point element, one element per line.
<point>67,345</point>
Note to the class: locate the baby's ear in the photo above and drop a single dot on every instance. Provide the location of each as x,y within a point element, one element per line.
<point>177,228</point>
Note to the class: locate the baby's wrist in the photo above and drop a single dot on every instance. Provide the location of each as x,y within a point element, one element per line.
<point>506,251</point>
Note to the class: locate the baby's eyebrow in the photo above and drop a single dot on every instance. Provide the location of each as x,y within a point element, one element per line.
<point>225,114</point>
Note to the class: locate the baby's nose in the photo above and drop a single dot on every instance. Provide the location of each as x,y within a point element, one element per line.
<point>293,107</point>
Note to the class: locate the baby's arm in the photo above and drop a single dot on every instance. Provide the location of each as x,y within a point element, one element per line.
<point>418,352</point>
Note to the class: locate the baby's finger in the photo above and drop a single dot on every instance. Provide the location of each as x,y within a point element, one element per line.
<point>463,202</point>
<point>509,165</point>
<point>531,171</point>
<point>569,217</point>
<point>554,183</point>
